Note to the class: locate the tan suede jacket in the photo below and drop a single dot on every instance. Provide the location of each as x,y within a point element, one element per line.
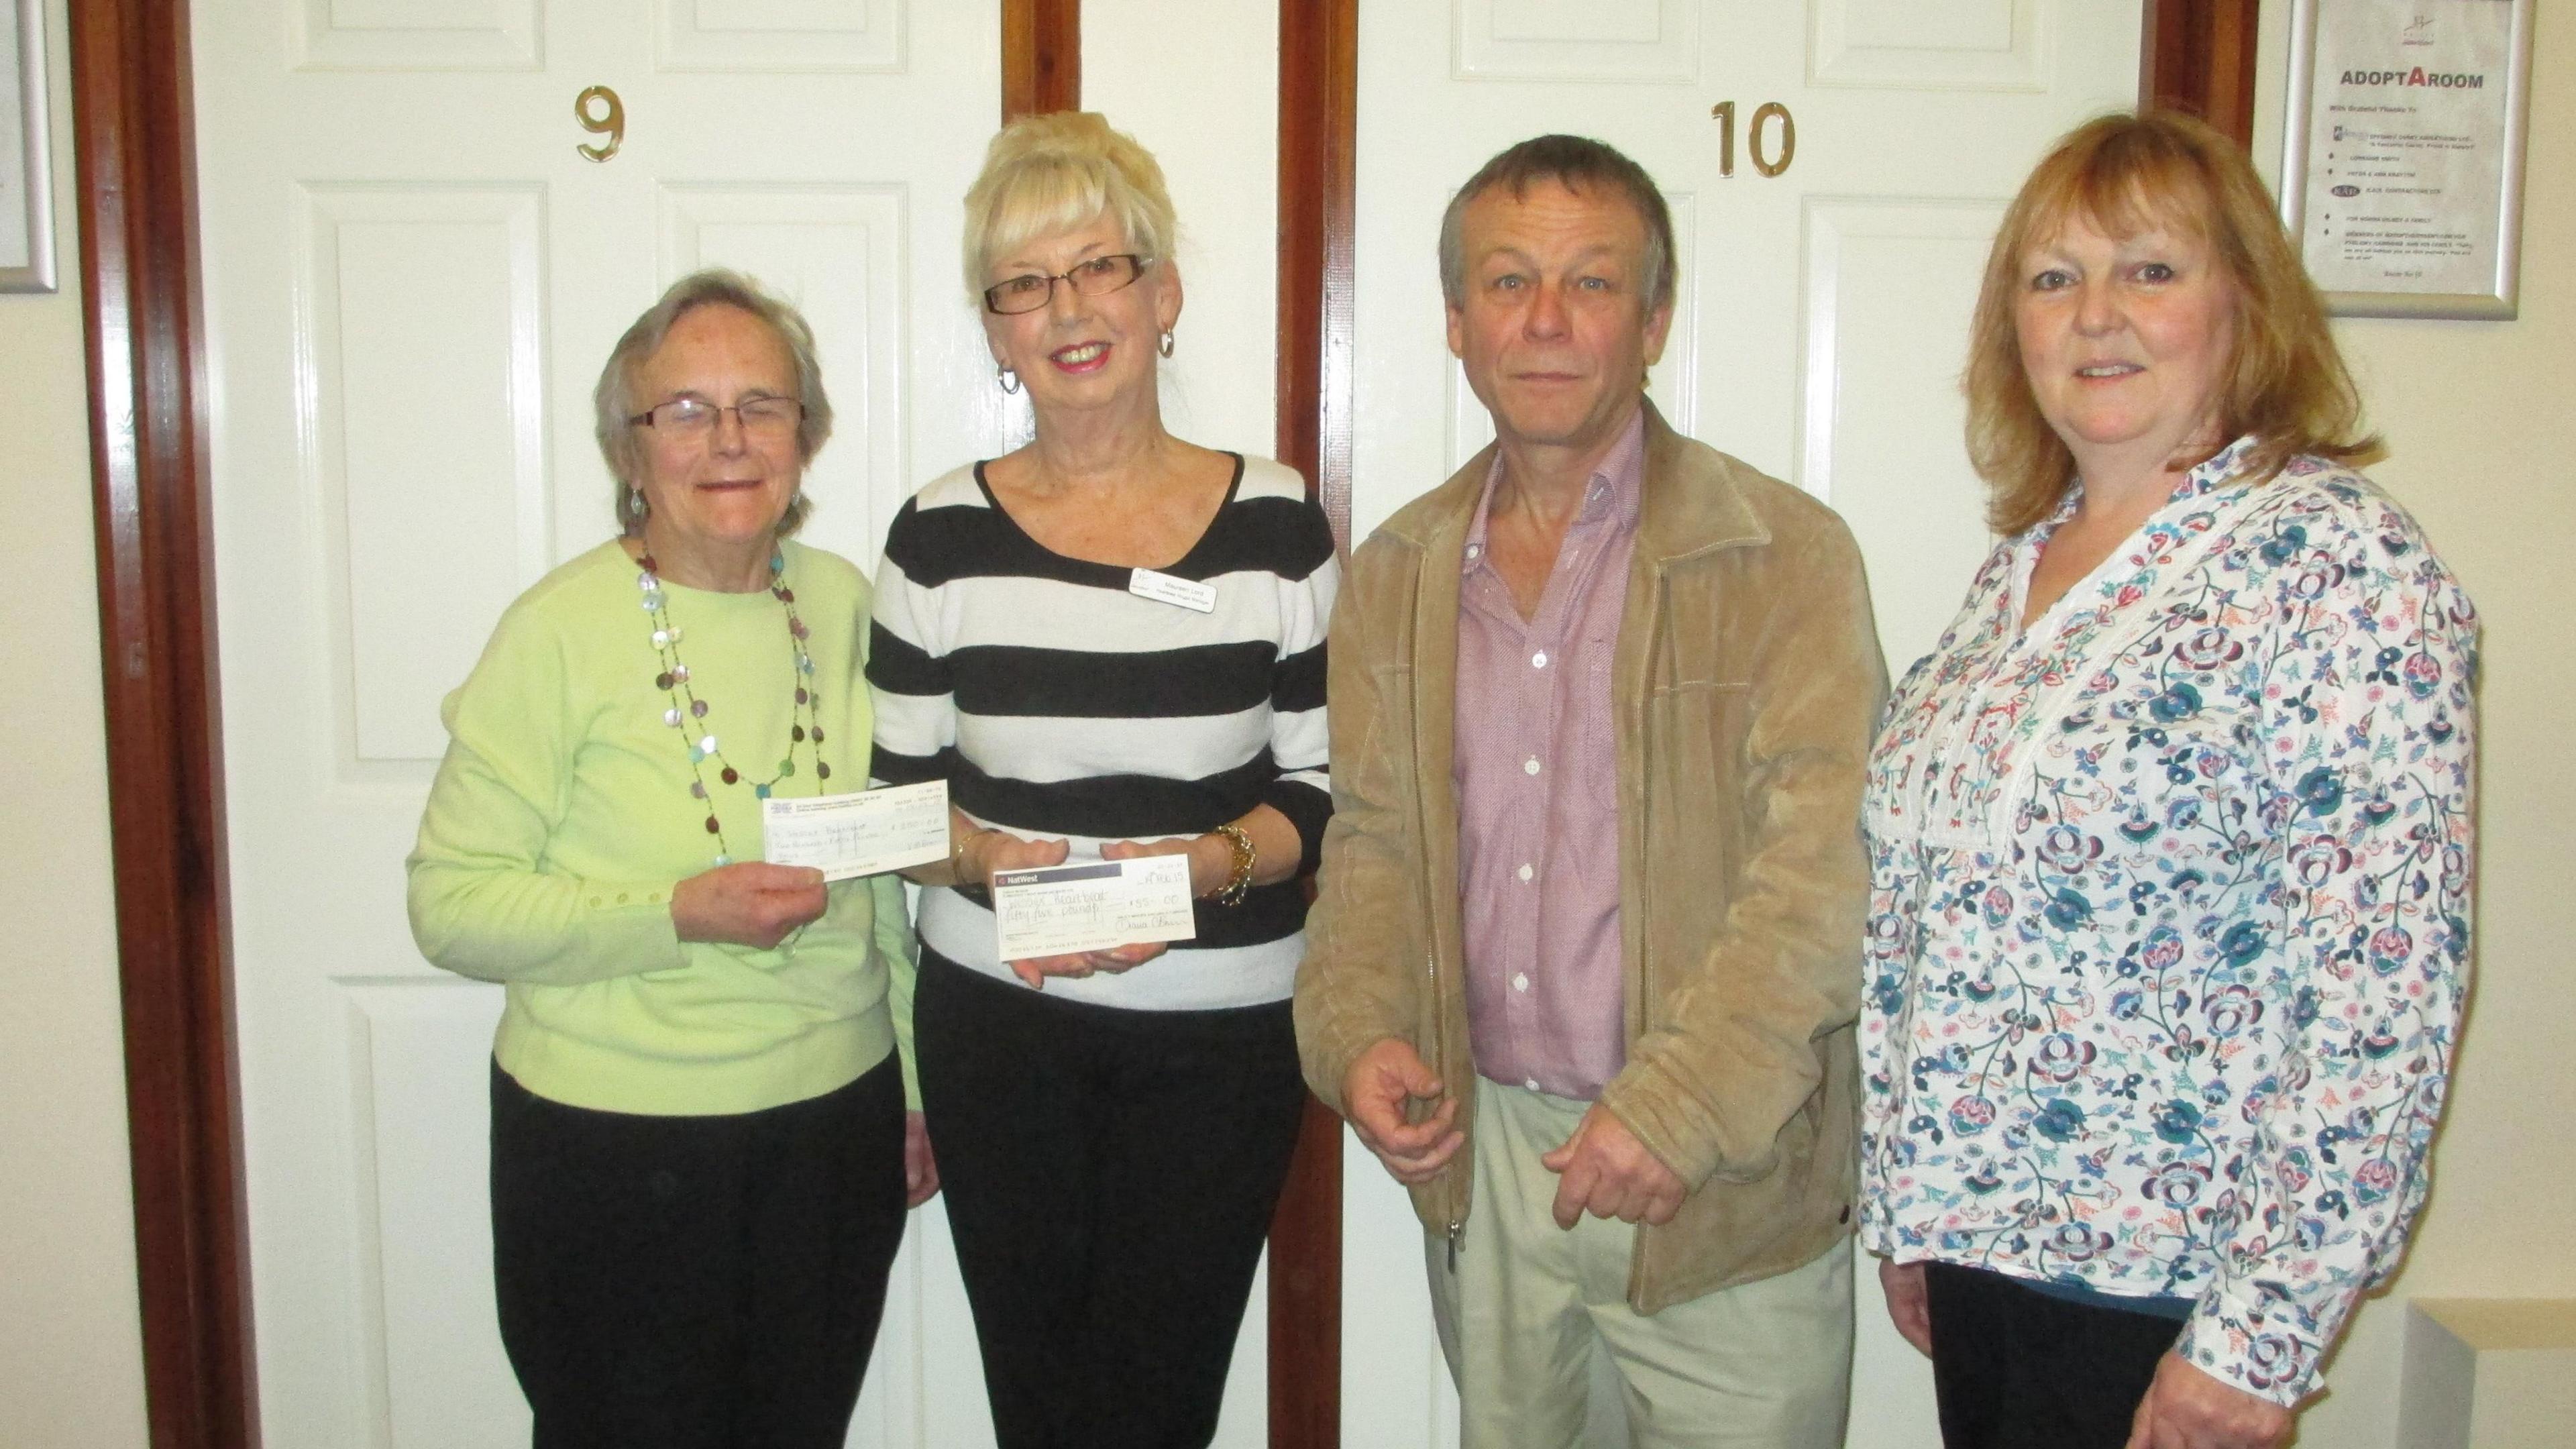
<point>1747,683</point>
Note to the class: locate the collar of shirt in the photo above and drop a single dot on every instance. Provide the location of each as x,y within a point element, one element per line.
<point>1617,492</point>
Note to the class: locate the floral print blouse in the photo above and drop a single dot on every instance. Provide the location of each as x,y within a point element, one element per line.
<point>2169,905</point>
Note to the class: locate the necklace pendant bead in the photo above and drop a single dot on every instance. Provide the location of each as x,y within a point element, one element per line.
<point>762,791</point>
<point>698,788</point>
<point>724,860</point>
<point>711,825</point>
<point>822,771</point>
<point>680,672</point>
<point>652,601</point>
<point>708,744</point>
<point>796,733</point>
<point>729,777</point>
<point>698,708</point>
<point>818,734</point>
<point>800,696</point>
<point>787,767</point>
<point>662,680</point>
<point>661,638</point>
<point>696,755</point>
<point>671,716</point>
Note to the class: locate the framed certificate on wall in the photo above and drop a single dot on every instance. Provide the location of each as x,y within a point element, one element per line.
<point>26,192</point>
<point>2401,167</point>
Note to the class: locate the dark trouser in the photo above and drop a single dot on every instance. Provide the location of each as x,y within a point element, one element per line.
<point>2017,1369</point>
<point>695,1282</point>
<point>1109,1175</point>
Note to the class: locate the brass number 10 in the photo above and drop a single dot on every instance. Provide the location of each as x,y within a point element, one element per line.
<point>1724,114</point>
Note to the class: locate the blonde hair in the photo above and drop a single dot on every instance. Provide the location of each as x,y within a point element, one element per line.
<point>2285,383</point>
<point>1045,175</point>
<point>613,399</point>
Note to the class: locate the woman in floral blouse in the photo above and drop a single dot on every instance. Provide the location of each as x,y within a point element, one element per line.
<point>2170,838</point>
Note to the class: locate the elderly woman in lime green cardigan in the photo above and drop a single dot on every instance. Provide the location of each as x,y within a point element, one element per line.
<point>704,1129</point>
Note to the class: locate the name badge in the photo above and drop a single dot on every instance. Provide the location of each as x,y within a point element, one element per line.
<point>1164,589</point>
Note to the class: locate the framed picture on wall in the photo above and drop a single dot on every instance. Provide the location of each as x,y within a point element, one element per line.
<point>26,190</point>
<point>2401,166</point>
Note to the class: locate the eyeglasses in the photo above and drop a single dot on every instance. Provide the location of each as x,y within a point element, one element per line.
<point>767,418</point>
<point>1093,278</point>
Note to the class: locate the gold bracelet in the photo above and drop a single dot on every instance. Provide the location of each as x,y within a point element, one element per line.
<point>957,854</point>
<point>1239,878</point>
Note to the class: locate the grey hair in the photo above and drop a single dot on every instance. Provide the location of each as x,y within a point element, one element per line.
<point>1577,163</point>
<point>613,400</point>
<point>1049,174</point>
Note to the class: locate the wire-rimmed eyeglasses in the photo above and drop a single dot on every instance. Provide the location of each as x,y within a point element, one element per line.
<point>1091,278</point>
<point>694,417</point>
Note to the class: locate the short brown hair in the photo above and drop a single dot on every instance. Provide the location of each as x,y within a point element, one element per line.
<point>613,400</point>
<point>1577,163</point>
<point>2285,383</point>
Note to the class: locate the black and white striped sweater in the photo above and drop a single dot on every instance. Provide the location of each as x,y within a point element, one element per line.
<point>1056,703</point>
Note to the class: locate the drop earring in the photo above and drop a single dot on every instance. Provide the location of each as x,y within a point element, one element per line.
<point>1165,346</point>
<point>636,507</point>
<point>1009,380</point>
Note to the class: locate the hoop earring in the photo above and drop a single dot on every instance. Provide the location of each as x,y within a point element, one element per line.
<point>1165,346</point>
<point>1009,380</point>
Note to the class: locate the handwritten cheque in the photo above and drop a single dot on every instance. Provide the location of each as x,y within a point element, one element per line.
<point>1062,909</point>
<point>867,833</point>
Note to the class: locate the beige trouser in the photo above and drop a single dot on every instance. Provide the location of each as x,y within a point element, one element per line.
<point>1546,1351</point>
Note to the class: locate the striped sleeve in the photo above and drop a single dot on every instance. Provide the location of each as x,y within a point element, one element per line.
<point>1299,741</point>
<point>908,675</point>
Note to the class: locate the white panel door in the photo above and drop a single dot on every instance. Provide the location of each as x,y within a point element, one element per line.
<point>412,279</point>
<point>1821,327</point>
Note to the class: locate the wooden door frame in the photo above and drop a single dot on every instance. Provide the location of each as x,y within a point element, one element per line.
<point>140,259</point>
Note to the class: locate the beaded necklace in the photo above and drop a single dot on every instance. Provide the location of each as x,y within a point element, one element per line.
<point>688,712</point>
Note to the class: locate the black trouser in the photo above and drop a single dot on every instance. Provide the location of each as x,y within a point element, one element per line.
<point>695,1282</point>
<point>2017,1369</point>
<point>1109,1176</point>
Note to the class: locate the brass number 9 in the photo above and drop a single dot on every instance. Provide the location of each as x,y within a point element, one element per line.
<point>611,122</point>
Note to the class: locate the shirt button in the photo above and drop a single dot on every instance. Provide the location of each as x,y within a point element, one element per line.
<point>1520,982</point>
<point>1530,765</point>
<point>1539,660</point>
<point>1531,1083</point>
<point>1526,872</point>
<point>1474,549</point>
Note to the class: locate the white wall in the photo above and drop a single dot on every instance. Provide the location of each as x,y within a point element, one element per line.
<point>2481,420</point>
<point>71,1365</point>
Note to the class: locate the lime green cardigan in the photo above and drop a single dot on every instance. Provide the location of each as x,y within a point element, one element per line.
<point>562,818</point>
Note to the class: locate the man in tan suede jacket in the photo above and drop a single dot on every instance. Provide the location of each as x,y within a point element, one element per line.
<point>1585,962</point>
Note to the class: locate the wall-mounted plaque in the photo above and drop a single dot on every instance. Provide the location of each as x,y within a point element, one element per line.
<point>2401,167</point>
<point>26,195</point>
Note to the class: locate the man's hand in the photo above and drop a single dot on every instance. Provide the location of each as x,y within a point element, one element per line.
<point>2187,1409</point>
<point>1604,1170</point>
<point>1375,1091</point>
<point>1909,1303</point>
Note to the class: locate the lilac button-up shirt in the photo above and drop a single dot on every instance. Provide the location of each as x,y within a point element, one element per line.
<point>1537,771</point>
